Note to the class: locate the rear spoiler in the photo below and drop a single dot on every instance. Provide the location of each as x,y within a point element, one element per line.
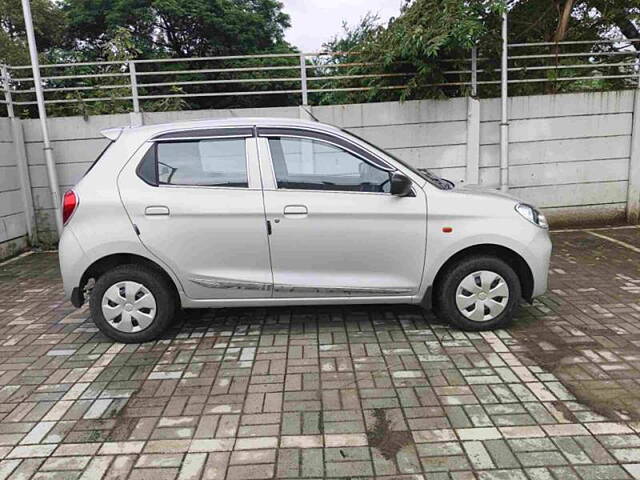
<point>112,133</point>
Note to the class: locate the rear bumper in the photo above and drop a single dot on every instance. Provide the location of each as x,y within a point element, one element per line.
<point>73,262</point>
<point>77,297</point>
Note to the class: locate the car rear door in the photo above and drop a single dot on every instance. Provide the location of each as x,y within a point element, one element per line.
<point>337,231</point>
<point>196,199</point>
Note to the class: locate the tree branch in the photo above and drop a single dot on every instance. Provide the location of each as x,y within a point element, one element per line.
<point>563,22</point>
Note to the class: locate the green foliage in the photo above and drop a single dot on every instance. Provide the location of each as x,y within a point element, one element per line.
<point>123,30</point>
<point>178,28</point>
<point>422,53</point>
<point>431,37</point>
<point>49,24</point>
<point>414,49</point>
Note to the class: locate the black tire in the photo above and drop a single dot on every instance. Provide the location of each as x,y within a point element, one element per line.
<point>166,304</point>
<point>445,306</point>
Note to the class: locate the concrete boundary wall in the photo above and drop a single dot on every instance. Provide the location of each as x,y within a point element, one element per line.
<point>13,229</point>
<point>570,154</point>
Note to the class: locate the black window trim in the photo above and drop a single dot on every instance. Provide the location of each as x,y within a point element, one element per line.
<point>203,133</point>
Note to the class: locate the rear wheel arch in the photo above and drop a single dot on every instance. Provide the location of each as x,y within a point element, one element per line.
<point>512,258</point>
<point>104,264</point>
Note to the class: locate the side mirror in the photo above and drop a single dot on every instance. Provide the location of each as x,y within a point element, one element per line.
<point>400,184</point>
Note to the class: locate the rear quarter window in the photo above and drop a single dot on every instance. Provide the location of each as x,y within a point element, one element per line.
<point>147,169</point>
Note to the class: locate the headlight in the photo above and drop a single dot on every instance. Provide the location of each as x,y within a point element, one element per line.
<point>532,214</point>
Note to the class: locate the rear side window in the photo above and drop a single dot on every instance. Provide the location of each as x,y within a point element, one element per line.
<point>208,162</point>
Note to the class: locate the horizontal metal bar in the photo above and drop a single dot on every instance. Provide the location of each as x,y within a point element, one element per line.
<point>575,42</point>
<point>366,75</point>
<point>217,94</point>
<point>214,82</point>
<point>225,57</point>
<point>356,89</point>
<point>315,66</point>
<point>343,65</point>
<point>77,100</point>
<point>243,57</point>
<point>569,67</point>
<point>559,79</point>
<point>73,89</point>
<point>544,67</point>
<point>218,70</point>
<point>562,55</point>
<point>457,60</point>
<point>69,77</point>
<point>572,79</point>
<point>70,64</point>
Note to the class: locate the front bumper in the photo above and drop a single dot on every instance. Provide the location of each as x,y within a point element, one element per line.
<point>539,260</point>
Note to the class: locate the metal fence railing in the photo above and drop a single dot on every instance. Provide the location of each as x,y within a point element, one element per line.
<point>316,78</point>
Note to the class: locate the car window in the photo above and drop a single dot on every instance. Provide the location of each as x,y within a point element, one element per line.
<point>306,164</point>
<point>208,162</point>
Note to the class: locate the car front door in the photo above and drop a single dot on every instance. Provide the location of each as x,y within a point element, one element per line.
<point>195,197</point>
<point>336,229</point>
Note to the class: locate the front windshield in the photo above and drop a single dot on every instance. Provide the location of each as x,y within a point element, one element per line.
<point>425,173</point>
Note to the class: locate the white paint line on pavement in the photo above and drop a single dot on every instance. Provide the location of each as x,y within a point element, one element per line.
<point>613,240</point>
<point>11,260</point>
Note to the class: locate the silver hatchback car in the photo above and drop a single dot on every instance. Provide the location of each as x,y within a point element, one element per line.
<point>259,212</point>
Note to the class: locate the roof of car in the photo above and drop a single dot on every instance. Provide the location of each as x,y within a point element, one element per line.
<point>218,123</point>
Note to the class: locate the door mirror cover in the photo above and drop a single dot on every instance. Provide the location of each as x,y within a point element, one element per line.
<point>400,184</point>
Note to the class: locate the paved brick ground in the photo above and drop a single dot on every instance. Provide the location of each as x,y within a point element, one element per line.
<point>331,392</point>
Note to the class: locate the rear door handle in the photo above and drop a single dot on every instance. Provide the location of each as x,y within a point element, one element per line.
<point>156,210</point>
<point>294,210</point>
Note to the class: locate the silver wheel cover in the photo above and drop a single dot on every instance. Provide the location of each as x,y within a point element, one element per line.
<point>481,296</point>
<point>129,307</point>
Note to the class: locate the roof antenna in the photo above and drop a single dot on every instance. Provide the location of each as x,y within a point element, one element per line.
<point>310,113</point>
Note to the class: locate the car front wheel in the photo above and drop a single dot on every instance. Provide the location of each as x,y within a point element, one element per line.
<point>132,304</point>
<point>478,293</point>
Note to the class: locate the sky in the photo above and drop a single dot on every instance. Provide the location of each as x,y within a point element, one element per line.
<point>316,21</point>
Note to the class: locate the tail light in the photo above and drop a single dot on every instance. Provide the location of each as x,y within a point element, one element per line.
<point>69,205</point>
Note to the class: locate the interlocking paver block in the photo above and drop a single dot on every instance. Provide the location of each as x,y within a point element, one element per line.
<point>330,392</point>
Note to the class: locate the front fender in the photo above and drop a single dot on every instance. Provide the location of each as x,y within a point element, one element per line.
<point>532,245</point>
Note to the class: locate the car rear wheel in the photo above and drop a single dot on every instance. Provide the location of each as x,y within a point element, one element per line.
<point>132,304</point>
<point>478,293</point>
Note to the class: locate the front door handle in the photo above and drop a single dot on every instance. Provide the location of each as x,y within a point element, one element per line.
<point>295,210</point>
<point>156,210</point>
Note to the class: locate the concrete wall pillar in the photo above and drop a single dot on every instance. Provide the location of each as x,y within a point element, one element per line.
<point>24,178</point>
<point>472,176</point>
<point>633,189</point>
<point>136,119</point>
